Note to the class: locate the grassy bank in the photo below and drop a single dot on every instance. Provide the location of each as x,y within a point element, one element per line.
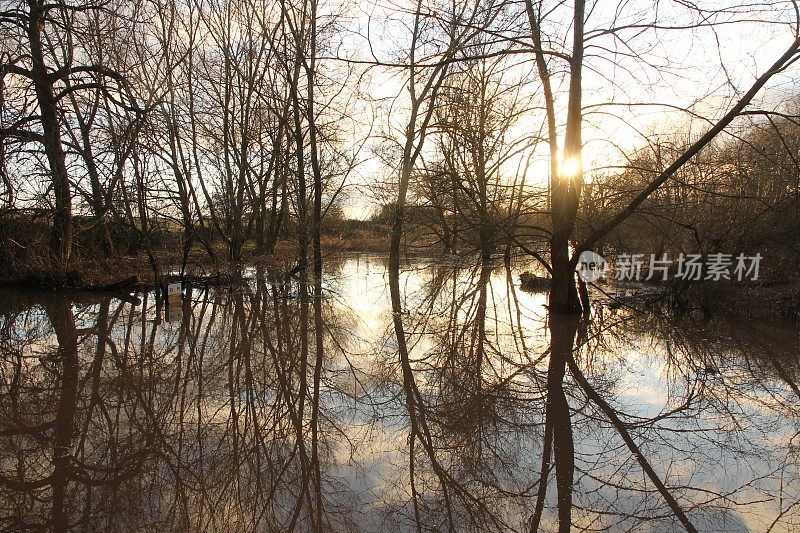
<point>140,264</point>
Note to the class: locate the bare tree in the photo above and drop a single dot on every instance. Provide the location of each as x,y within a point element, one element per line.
<point>567,180</point>
<point>48,67</point>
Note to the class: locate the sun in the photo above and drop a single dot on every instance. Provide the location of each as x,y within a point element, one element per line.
<point>570,167</point>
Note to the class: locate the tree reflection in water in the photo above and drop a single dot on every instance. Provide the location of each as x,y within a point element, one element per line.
<point>431,398</point>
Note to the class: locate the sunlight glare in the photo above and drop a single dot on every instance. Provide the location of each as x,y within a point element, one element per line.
<point>570,167</point>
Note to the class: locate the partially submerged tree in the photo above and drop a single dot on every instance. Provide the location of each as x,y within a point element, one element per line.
<point>591,48</point>
<point>568,50</point>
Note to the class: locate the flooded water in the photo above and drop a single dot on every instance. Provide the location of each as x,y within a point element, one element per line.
<point>278,406</point>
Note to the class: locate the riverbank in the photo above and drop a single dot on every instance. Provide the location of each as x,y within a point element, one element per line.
<point>763,299</point>
<point>142,271</point>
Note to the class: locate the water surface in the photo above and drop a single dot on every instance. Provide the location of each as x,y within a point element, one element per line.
<point>279,405</point>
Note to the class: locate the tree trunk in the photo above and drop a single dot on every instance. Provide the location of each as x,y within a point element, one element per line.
<point>563,291</point>
<point>567,185</point>
<point>61,236</point>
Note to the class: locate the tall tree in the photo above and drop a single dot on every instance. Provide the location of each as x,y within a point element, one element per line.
<point>566,160</point>
<point>48,65</point>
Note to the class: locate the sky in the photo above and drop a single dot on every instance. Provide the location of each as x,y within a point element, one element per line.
<point>702,69</point>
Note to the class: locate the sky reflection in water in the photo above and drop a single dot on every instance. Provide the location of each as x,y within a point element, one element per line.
<point>114,419</point>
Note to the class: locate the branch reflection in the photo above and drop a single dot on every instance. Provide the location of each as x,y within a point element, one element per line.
<point>428,397</point>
